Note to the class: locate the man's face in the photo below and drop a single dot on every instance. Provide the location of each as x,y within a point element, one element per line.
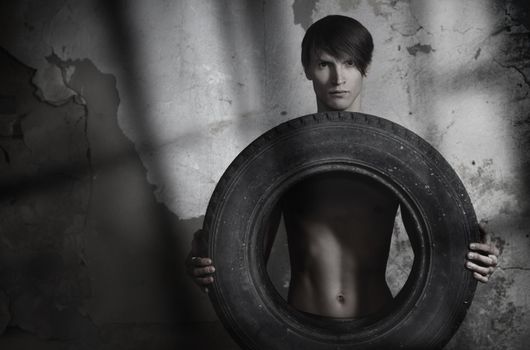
<point>336,81</point>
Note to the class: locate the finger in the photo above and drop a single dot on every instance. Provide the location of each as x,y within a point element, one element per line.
<point>198,261</point>
<point>203,281</point>
<point>496,251</point>
<point>480,277</point>
<point>203,271</point>
<point>476,268</point>
<point>485,260</point>
<point>494,260</point>
<point>483,247</point>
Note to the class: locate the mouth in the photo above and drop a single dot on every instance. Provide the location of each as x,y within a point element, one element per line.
<point>338,92</point>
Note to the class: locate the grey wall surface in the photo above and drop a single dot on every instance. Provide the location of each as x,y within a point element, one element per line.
<point>118,118</point>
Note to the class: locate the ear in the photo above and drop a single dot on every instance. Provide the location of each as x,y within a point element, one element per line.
<point>368,69</point>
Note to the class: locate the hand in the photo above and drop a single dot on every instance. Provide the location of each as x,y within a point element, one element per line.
<point>483,257</point>
<point>200,269</point>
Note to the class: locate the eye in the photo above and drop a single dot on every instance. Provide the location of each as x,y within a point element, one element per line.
<point>350,63</point>
<point>323,64</point>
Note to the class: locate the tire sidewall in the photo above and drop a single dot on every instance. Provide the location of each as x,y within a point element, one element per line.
<point>434,300</point>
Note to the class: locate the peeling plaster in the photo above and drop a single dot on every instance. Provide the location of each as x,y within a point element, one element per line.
<point>11,126</point>
<point>515,268</point>
<point>406,29</point>
<point>349,5</point>
<point>421,48</point>
<point>36,277</point>
<point>84,240</point>
<point>517,69</point>
<point>50,255</point>
<point>384,8</point>
<point>51,86</point>
<point>477,54</point>
<point>303,12</point>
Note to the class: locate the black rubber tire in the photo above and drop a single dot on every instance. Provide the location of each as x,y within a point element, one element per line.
<point>439,290</point>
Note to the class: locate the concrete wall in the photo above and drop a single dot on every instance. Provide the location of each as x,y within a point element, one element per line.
<point>118,118</point>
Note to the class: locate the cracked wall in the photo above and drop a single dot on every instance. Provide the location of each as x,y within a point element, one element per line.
<point>117,120</point>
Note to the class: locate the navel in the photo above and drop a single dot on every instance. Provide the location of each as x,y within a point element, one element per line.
<point>340,298</point>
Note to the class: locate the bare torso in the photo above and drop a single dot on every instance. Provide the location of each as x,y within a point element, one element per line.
<point>339,231</point>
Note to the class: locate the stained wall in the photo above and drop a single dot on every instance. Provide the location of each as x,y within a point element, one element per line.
<point>118,118</point>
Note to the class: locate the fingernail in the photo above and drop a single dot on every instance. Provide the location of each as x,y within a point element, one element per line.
<point>472,246</point>
<point>194,258</point>
<point>206,290</point>
<point>212,269</point>
<point>470,255</point>
<point>469,264</point>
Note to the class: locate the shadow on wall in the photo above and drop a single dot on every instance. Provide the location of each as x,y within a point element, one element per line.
<point>87,255</point>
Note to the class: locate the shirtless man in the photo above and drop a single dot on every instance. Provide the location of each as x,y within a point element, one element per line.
<point>338,228</point>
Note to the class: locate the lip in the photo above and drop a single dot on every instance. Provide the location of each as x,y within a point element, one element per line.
<point>338,92</point>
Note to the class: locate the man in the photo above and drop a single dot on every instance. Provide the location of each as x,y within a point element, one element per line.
<point>339,228</point>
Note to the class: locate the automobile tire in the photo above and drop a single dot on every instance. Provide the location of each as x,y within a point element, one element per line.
<point>432,303</point>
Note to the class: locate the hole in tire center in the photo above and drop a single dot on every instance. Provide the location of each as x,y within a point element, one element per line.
<point>338,276</point>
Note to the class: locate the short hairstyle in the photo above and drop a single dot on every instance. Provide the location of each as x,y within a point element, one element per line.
<point>339,36</point>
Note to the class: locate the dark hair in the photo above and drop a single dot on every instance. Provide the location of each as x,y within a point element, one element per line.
<point>339,36</point>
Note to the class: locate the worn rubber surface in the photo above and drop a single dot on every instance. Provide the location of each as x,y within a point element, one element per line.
<point>439,290</point>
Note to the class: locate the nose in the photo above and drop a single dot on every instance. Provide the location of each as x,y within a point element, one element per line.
<point>338,76</point>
